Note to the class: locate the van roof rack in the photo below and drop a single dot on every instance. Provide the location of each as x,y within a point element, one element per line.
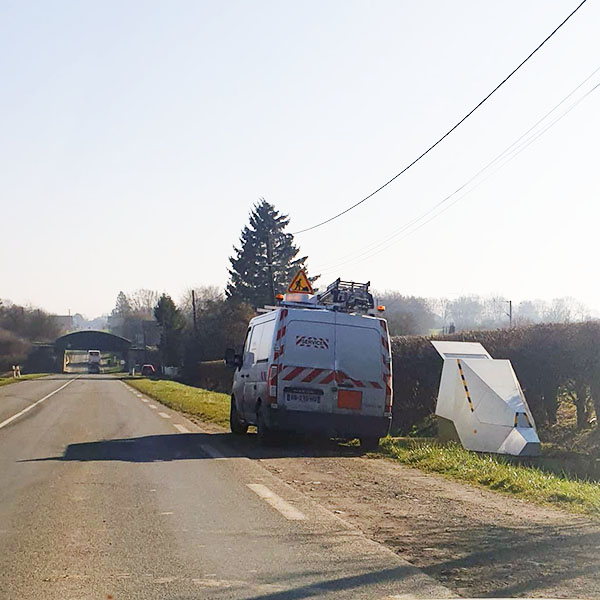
<point>340,296</point>
<point>347,296</point>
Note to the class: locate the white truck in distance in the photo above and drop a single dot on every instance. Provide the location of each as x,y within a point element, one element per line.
<point>315,364</point>
<point>94,358</point>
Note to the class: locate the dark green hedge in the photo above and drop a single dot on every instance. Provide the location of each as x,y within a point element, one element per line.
<point>213,375</point>
<point>547,359</point>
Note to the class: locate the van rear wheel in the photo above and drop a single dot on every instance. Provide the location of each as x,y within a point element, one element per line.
<point>369,444</point>
<point>266,436</point>
<point>235,423</point>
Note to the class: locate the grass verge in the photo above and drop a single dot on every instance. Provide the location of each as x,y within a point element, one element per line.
<point>9,380</point>
<point>497,473</point>
<point>208,406</point>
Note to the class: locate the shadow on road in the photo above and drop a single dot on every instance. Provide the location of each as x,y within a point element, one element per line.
<point>359,582</point>
<point>512,561</point>
<point>193,446</point>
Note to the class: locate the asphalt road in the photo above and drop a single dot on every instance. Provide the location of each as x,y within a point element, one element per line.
<point>105,494</point>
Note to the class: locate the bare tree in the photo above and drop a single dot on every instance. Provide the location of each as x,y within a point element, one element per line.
<point>206,296</point>
<point>466,312</point>
<point>561,310</point>
<point>143,301</point>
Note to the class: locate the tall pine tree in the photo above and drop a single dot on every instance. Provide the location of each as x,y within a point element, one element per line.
<point>171,322</point>
<point>263,242</point>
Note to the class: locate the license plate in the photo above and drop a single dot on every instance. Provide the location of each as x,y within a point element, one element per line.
<point>303,398</point>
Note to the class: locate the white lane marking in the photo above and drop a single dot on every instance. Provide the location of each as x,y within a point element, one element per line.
<point>11,419</point>
<point>212,452</point>
<point>277,502</point>
<point>164,415</point>
<point>153,406</point>
<point>145,400</point>
<point>181,428</point>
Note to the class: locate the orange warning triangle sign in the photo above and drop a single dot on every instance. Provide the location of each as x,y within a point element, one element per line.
<point>300,283</point>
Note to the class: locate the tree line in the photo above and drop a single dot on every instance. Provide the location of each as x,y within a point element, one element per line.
<point>412,315</point>
<point>206,321</point>
<point>261,266</point>
<point>20,326</point>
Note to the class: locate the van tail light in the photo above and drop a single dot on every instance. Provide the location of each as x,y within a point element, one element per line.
<point>272,382</point>
<point>388,394</point>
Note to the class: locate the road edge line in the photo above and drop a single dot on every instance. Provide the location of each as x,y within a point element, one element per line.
<point>290,512</point>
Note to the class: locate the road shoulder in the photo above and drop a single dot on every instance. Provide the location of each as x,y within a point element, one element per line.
<point>474,541</point>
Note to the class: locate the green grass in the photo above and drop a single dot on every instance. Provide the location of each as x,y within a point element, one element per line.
<point>9,380</point>
<point>496,473</point>
<point>209,406</point>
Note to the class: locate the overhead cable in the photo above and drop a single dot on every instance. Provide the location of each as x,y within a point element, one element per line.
<point>516,145</point>
<point>505,156</point>
<point>455,126</point>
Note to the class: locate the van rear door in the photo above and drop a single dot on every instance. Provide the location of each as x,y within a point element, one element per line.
<point>360,366</point>
<point>307,377</point>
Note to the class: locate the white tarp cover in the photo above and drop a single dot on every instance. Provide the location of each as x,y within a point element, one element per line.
<point>482,398</point>
<point>461,350</point>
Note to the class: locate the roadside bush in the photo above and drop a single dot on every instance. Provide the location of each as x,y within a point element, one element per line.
<point>13,350</point>
<point>214,375</point>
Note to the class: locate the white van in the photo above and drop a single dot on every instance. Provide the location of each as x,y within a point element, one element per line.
<point>312,367</point>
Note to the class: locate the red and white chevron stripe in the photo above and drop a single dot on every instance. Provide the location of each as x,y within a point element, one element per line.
<point>323,377</point>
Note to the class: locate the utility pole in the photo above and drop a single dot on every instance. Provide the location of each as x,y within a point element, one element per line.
<point>145,346</point>
<point>194,312</point>
<point>163,340</point>
<point>270,265</point>
<point>509,313</point>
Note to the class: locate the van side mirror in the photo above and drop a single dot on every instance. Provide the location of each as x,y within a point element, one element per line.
<point>232,359</point>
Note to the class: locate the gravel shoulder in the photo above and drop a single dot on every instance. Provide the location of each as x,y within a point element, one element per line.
<point>477,542</point>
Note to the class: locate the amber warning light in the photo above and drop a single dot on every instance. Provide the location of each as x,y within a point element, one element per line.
<point>381,308</point>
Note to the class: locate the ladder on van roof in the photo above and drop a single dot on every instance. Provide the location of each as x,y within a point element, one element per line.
<point>347,296</point>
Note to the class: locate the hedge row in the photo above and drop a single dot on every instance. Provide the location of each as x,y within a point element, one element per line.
<point>213,375</point>
<point>547,358</point>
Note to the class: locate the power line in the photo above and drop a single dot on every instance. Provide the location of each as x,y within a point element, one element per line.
<point>416,160</point>
<point>518,145</point>
<point>504,155</point>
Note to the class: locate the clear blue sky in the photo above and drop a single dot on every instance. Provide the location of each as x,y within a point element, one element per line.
<point>136,136</point>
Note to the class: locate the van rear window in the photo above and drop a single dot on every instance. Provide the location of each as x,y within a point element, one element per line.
<point>358,352</point>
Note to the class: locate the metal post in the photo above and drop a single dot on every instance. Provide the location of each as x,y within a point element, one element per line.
<point>145,345</point>
<point>509,313</point>
<point>164,339</point>
<point>194,311</point>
